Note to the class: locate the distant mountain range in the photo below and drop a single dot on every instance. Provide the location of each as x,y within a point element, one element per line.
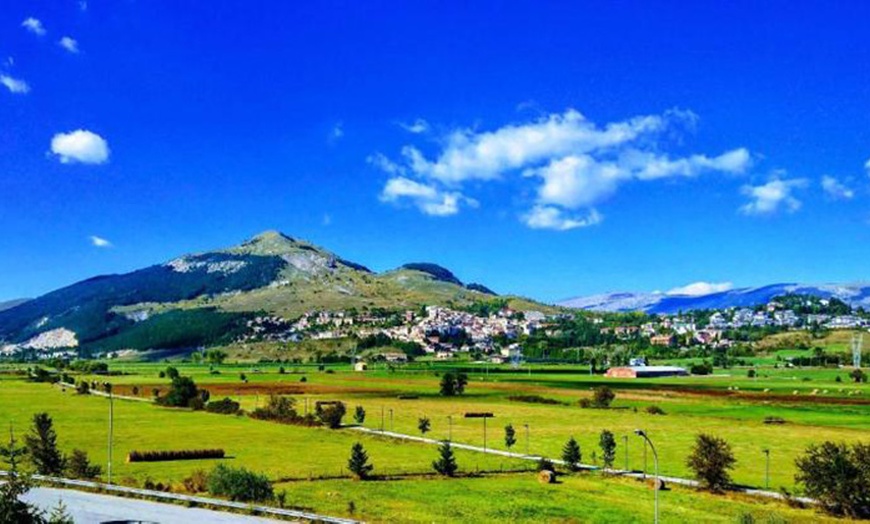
<point>207,298</point>
<point>856,294</point>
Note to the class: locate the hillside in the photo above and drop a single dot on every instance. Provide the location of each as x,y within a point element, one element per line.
<point>206,298</point>
<point>856,295</point>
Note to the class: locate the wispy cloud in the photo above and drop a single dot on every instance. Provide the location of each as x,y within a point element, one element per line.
<point>80,146</point>
<point>574,163</point>
<point>867,167</point>
<point>416,127</point>
<point>766,199</point>
<point>99,241</point>
<point>69,44</point>
<point>337,132</point>
<point>34,26</point>
<point>836,189</point>
<point>14,85</point>
<point>426,198</point>
<point>697,289</point>
<point>549,217</point>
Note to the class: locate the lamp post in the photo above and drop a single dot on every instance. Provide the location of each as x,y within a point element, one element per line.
<point>111,433</point>
<point>484,434</point>
<point>641,433</point>
<point>766,452</point>
<point>625,442</point>
<point>382,419</point>
<point>450,428</point>
<point>391,419</point>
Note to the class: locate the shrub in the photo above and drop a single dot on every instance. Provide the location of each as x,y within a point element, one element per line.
<point>278,408</point>
<point>358,463</point>
<point>79,466</point>
<point>655,410</point>
<point>533,399</point>
<point>571,454</point>
<point>837,476</point>
<point>510,436</point>
<point>545,464</point>
<point>330,414</point>
<point>585,403</point>
<point>197,482</point>
<point>172,373</point>
<point>239,484</point>
<point>169,455</point>
<point>774,420</point>
<point>858,376</point>
<point>704,368</point>
<point>83,388</point>
<point>750,373</point>
<point>446,463</point>
<point>602,397</point>
<point>710,460</point>
<point>182,393</point>
<point>226,406</point>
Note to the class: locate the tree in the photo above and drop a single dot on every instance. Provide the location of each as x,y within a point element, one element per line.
<point>837,476</point>
<point>331,414</point>
<point>545,464</point>
<point>446,463</point>
<point>710,460</point>
<point>510,436</point>
<point>608,448</point>
<point>42,446</point>
<point>182,393</point>
<point>215,356</point>
<point>359,415</point>
<point>448,385</point>
<point>79,466</point>
<point>461,382</point>
<point>171,373</point>
<point>571,454</point>
<point>358,463</point>
<point>15,485</point>
<point>423,425</point>
<point>59,514</point>
<point>858,376</point>
<point>602,397</point>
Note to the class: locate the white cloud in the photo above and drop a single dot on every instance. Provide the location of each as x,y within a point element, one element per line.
<point>14,85</point>
<point>337,132</point>
<point>426,198</point>
<point>327,220</point>
<point>697,289</point>
<point>836,189</point>
<point>867,167</point>
<point>34,26</point>
<point>69,44</point>
<point>99,241</point>
<point>80,146</point>
<point>416,127</point>
<point>574,162</point>
<point>549,217</point>
<point>770,197</point>
<point>83,5</point>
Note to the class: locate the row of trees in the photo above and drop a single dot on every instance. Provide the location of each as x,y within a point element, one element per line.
<point>361,467</point>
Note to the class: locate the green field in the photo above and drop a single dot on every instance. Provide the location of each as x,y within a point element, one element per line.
<point>730,406</point>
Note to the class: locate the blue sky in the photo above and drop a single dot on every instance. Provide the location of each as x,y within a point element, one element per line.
<point>549,151</point>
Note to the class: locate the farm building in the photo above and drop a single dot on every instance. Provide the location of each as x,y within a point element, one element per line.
<point>645,372</point>
<point>360,366</point>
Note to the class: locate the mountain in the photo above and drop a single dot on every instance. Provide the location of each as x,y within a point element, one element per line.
<point>206,298</point>
<point>856,294</point>
<point>9,304</point>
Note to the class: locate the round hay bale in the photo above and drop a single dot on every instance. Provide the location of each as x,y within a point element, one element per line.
<point>656,483</point>
<point>546,476</point>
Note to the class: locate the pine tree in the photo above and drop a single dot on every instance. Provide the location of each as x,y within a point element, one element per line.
<point>15,484</point>
<point>42,446</point>
<point>461,382</point>
<point>358,463</point>
<point>448,385</point>
<point>359,415</point>
<point>446,463</point>
<point>510,436</point>
<point>423,424</point>
<point>571,454</point>
<point>608,448</point>
<point>59,514</point>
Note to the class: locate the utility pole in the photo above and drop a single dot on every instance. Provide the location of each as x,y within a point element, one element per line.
<point>391,419</point>
<point>484,434</point>
<point>766,452</point>
<point>450,428</point>
<point>643,435</point>
<point>111,433</point>
<point>382,419</point>
<point>527,439</point>
<point>644,460</point>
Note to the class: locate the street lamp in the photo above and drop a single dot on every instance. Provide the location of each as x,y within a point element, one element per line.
<point>766,452</point>
<point>625,441</point>
<point>450,428</point>
<point>641,433</point>
<point>527,439</point>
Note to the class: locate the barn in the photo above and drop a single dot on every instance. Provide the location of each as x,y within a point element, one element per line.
<point>645,372</point>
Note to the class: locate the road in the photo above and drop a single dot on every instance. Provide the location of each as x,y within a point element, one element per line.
<point>93,508</point>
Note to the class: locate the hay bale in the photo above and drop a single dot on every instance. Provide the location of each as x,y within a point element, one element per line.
<point>546,476</point>
<point>656,482</point>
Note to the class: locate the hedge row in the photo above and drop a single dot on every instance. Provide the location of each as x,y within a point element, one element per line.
<point>180,454</point>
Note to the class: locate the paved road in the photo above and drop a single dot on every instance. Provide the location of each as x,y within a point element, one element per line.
<point>93,508</point>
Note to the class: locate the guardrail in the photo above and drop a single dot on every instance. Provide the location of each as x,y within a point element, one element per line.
<point>177,497</point>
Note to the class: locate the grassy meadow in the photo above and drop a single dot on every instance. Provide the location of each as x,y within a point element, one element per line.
<point>730,405</point>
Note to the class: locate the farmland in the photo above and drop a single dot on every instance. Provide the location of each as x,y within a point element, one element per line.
<point>309,464</point>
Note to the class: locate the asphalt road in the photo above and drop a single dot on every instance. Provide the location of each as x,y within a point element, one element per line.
<point>93,508</point>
